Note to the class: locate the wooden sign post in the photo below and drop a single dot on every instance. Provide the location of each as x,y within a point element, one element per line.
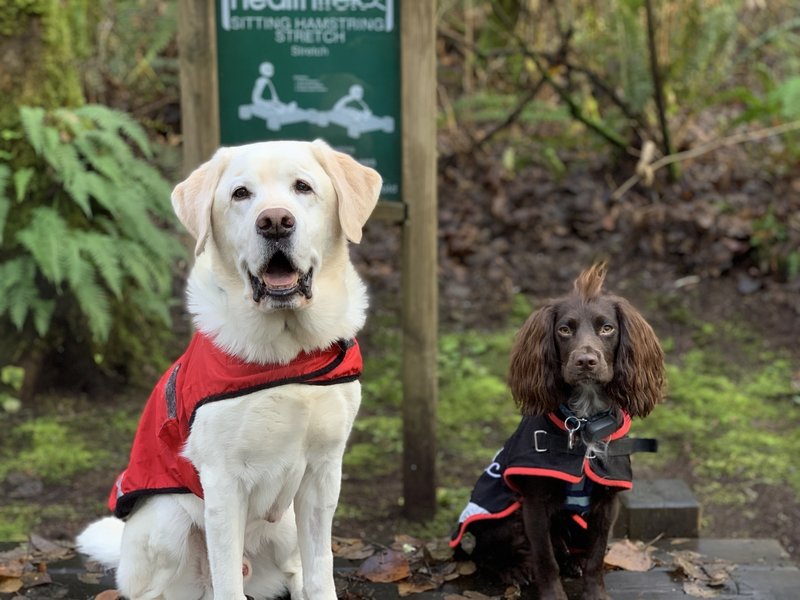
<point>360,74</point>
<point>420,319</point>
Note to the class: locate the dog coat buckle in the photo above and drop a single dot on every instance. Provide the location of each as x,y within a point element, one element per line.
<point>543,447</point>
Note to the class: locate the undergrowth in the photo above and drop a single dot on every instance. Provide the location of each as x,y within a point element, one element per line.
<point>736,427</point>
<point>75,442</point>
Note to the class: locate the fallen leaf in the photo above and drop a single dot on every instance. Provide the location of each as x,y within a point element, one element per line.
<point>466,567</point>
<point>91,577</point>
<point>513,592</point>
<point>629,556</point>
<point>13,568</point>
<point>34,578</point>
<point>718,573</point>
<point>439,550</point>
<point>352,548</point>
<point>9,585</point>
<point>47,549</point>
<point>108,595</point>
<point>468,595</point>
<point>385,567</point>
<point>699,590</point>
<point>415,586</point>
<point>685,563</point>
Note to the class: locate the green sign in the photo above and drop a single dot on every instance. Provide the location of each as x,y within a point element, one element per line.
<point>307,69</point>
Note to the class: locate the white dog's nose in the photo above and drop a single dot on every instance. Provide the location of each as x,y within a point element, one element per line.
<point>275,223</point>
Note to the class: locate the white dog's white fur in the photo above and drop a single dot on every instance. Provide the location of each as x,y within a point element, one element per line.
<point>269,462</point>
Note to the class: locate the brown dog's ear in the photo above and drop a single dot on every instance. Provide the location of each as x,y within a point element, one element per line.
<point>357,188</point>
<point>534,375</point>
<point>193,198</point>
<point>639,377</point>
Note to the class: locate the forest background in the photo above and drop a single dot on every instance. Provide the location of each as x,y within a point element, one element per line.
<point>546,111</point>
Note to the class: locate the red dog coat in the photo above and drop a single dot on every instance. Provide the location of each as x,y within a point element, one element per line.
<point>206,374</point>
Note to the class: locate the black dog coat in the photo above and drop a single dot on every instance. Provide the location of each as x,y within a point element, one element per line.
<point>540,448</point>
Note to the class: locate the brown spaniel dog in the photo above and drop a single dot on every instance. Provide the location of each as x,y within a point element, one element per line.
<point>581,367</point>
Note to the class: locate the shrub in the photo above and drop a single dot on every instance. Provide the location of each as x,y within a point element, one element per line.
<point>85,242</point>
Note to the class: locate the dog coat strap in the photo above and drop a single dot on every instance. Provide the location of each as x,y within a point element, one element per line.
<point>627,446</point>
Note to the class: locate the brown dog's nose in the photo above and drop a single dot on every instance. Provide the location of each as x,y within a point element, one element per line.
<point>275,223</point>
<point>586,361</point>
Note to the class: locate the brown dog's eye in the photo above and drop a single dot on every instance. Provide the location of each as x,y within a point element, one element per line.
<point>241,193</point>
<point>564,330</point>
<point>607,329</point>
<point>302,187</point>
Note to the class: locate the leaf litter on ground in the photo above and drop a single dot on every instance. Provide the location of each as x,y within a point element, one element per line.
<point>702,577</point>
<point>26,565</point>
<point>415,565</point>
<point>629,556</point>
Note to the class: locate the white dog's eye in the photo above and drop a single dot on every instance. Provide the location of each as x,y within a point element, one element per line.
<point>241,193</point>
<point>302,187</point>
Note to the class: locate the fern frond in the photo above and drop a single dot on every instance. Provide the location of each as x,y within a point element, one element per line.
<point>17,289</point>
<point>64,159</point>
<point>105,193</point>
<point>112,143</point>
<point>156,191</point>
<point>103,251</point>
<point>93,302</point>
<point>140,266</point>
<point>99,159</point>
<point>112,120</point>
<point>20,303</point>
<point>22,178</point>
<point>154,305</point>
<point>32,119</point>
<point>42,315</point>
<point>45,237</point>
<point>14,273</point>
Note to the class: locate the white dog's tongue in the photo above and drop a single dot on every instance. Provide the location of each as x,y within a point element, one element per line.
<point>280,280</point>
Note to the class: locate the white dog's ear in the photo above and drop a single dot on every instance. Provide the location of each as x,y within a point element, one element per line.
<point>357,187</point>
<point>193,198</point>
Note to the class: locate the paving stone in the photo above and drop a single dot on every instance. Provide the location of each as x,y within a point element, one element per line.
<point>658,507</point>
<point>763,571</point>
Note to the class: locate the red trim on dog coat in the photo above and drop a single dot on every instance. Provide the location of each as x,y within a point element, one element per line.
<point>206,374</point>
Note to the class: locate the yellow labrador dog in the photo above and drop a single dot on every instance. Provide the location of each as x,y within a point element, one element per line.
<point>236,466</point>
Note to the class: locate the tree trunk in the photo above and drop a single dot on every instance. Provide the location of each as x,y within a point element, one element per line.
<point>39,43</point>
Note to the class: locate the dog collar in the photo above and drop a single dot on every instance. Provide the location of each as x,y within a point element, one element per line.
<point>590,430</point>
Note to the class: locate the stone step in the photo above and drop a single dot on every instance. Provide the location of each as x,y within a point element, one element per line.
<point>658,507</point>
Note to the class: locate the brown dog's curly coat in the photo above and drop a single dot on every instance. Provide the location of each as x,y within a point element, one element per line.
<point>592,352</point>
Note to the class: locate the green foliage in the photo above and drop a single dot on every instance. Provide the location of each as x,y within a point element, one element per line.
<point>133,60</point>
<point>475,411</point>
<point>88,237</point>
<point>11,380</point>
<point>16,521</point>
<point>774,246</point>
<point>50,450</point>
<point>740,427</point>
<point>594,57</point>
